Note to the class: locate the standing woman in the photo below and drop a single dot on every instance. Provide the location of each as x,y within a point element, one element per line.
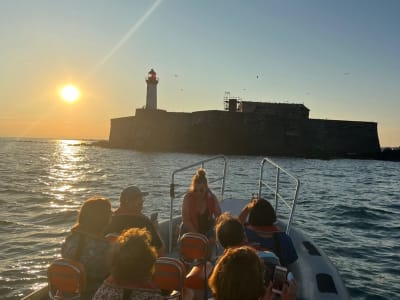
<point>200,206</point>
<point>87,244</point>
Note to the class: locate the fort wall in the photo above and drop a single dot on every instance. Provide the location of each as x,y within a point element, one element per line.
<point>252,133</point>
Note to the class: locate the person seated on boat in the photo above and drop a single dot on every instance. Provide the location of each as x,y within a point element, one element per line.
<point>263,234</point>
<point>200,207</point>
<point>132,268</point>
<point>129,215</point>
<point>239,275</point>
<point>230,233</point>
<point>87,244</point>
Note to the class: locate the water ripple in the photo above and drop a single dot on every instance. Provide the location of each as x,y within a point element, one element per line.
<point>349,207</point>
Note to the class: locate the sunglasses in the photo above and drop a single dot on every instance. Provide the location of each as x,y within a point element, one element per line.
<point>201,190</point>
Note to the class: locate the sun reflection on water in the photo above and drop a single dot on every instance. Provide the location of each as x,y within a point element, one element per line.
<point>67,169</point>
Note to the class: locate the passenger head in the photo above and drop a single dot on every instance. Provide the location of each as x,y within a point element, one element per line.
<point>132,197</point>
<point>135,258</point>
<point>238,275</point>
<point>199,184</point>
<point>94,215</point>
<point>229,231</point>
<point>262,213</point>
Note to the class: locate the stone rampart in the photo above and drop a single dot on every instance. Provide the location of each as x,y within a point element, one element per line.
<point>223,132</point>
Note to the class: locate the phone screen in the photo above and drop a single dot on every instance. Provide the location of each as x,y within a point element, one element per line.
<point>279,279</point>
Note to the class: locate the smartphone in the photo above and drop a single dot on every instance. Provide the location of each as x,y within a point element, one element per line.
<point>153,216</point>
<point>279,279</point>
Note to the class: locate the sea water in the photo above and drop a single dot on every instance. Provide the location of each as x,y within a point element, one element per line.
<point>350,208</point>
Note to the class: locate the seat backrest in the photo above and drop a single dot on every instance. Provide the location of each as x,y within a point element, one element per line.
<point>66,277</point>
<point>193,246</point>
<point>169,274</point>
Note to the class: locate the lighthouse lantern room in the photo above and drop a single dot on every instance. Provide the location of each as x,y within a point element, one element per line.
<point>151,97</point>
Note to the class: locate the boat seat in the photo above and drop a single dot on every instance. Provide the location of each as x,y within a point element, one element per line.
<point>193,248</point>
<point>194,252</point>
<point>169,275</point>
<point>66,279</point>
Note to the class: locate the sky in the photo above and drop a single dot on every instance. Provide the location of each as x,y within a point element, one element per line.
<point>339,58</point>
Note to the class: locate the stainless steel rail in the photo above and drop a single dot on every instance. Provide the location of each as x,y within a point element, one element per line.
<point>275,190</point>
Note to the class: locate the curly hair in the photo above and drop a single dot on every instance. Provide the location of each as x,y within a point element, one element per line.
<point>199,178</point>
<point>238,275</point>
<point>135,258</point>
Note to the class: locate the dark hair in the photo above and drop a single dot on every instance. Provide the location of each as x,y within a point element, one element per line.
<point>229,231</point>
<point>135,258</point>
<point>94,215</point>
<point>262,213</point>
<point>238,275</point>
<point>199,178</point>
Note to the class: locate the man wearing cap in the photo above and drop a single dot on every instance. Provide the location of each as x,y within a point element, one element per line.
<point>129,215</point>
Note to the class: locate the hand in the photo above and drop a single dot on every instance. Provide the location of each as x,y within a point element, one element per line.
<point>253,202</point>
<point>268,295</point>
<point>289,290</point>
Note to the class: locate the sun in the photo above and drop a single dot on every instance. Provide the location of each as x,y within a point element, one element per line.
<point>70,93</point>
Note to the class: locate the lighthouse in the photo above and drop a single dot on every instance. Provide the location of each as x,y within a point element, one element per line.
<point>151,97</point>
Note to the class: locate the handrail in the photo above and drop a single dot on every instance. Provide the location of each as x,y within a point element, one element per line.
<point>275,189</point>
<point>174,196</point>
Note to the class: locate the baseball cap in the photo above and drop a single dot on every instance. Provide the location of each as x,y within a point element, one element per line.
<point>130,193</point>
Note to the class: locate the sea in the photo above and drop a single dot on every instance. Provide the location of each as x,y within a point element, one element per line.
<point>350,208</point>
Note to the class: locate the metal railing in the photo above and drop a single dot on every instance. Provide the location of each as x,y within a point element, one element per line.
<point>275,190</point>
<point>173,195</point>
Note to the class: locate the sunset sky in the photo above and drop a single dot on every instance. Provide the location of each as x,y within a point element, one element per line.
<point>339,58</point>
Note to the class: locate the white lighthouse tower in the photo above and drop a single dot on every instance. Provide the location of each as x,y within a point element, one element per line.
<point>151,97</point>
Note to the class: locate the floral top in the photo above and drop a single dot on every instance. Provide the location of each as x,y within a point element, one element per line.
<point>95,255</point>
<point>109,290</point>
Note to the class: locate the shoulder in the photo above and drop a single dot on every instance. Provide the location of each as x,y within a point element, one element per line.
<point>211,195</point>
<point>122,222</point>
<point>188,196</point>
<point>72,238</point>
<point>141,219</point>
<point>187,200</point>
<point>108,291</point>
<point>285,239</point>
<point>70,245</point>
<point>146,294</point>
<point>283,236</point>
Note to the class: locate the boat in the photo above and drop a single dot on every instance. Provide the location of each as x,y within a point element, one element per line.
<point>315,274</point>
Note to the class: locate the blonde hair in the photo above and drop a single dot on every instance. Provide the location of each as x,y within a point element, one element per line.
<point>199,178</point>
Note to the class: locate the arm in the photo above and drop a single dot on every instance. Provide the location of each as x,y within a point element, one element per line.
<point>161,251</point>
<point>217,208</point>
<point>156,240</point>
<point>289,291</point>
<point>244,214</point>
<point>187,223</point>
<point>246,211</point>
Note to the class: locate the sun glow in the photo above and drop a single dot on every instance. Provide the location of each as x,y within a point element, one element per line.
<point>70,93</point>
